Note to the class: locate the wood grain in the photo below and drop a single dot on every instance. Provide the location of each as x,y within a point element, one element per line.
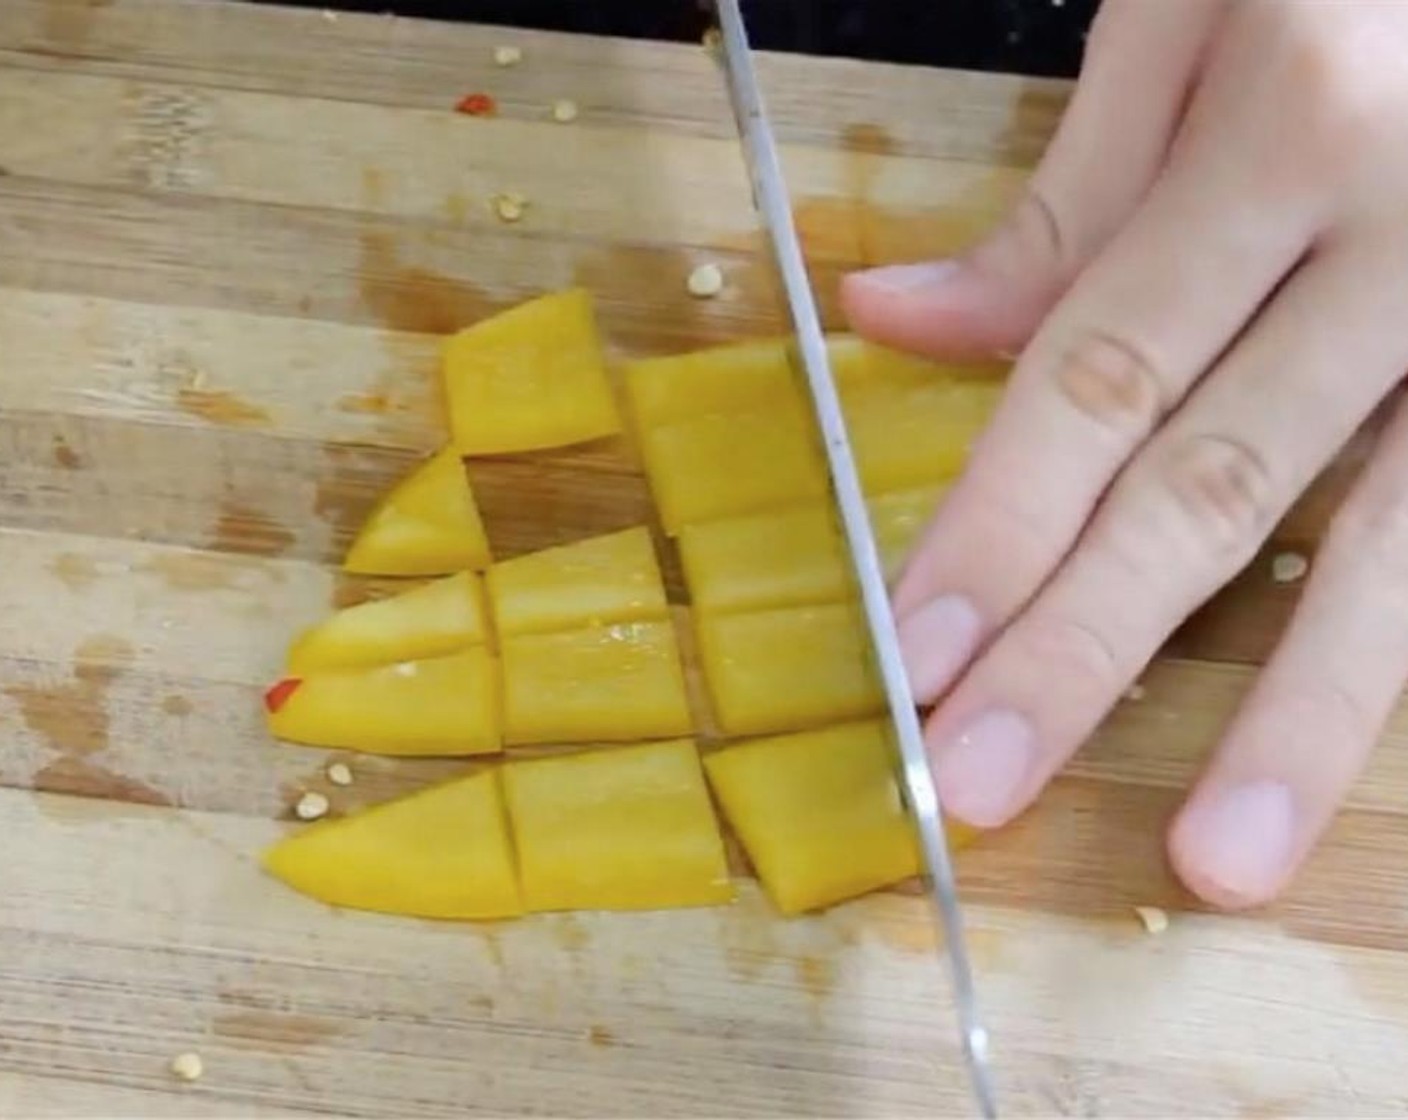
<point>230,238</point>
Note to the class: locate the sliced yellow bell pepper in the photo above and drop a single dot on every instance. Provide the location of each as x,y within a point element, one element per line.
<point>611,578</point>
<point>609,683</point>
<point>820,813</point>
<point>779,558</point>
<point>427,525</point>
<point>787,669</point>
<point>740,378</point>
<point>631,828</point>
<point>531,377</point>
<point>437,618</point>
<point>859,365</point>
<point>719,465</point>
<point>443,852</point>
<point>897,519</point>
<point>438,706</point>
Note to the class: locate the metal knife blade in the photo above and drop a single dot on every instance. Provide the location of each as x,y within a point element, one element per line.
<point>770,197</point>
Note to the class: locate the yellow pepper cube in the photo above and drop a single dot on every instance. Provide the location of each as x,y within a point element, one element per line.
<point>897,519</point>
<point>907,436</point>
<point>779,558</point>
<point>609,683</point>
<point>432,620</point>
<point>740,378</point>
<point>630,828</point>
<point>439,706</point>
<point>530,378</point>
<point>820,814</point>
<point>717,465</point>
<point>427,525</point>
<point>788,669</point>
<point>611,578</point>
<point>443,852</point>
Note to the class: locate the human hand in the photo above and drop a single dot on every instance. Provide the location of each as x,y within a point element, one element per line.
<point>1209,278</point>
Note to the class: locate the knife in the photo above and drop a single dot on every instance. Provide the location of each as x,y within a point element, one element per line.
<point>771,199</point>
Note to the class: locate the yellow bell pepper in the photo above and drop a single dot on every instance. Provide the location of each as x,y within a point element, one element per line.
<point>609,683</point>
<point>739,378</point>
<point>897,519</point>
<point>439,706</point>
<point>859,365</point>
<point>719,465</point>
<point>611,578</point>
<point>820,814</point>
<point>437,618</point>
<point>787,669</point>
<point>427,525</point>
<point>443,852</point>
<point>779,558</point>
<point>530,378</point>
<point>631,828</point>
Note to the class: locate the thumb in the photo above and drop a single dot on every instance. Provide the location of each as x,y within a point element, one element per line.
<point>1140,62</point>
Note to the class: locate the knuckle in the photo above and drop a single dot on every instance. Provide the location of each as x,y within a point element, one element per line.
<point>1085,656</point>
<point>1223,491</point>
<point>1110,382</point>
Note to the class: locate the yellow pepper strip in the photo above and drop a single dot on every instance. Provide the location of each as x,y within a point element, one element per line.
<point>427,525</point>
<point>820,813</point>
<point>442,852</point>
<point>631,828</point>
<point>611,578</point>
<point>438,706</point>
<point>787,669</point>
<point>432,620</point>
<point>897,519</point>
<point>610,683</point>
<point>739,378</point>
<point>532,377</point>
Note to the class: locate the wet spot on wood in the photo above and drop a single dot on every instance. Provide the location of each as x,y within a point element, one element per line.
<point>369,404</point>
<point>177,706</point>
<point>305,305</point>
<point>65,456</point>
<point>409,298</point>
<point>68,23</point>
<point>867,139</point>
<point>81,777</point>
<point>272,1030</point>
<point>75,570</point>
<point>221,407</point>
<point>600,1036</point>
<point>243,529</point>
<point>351,590</point>
<point>193,571</point>
<point>816,975</point>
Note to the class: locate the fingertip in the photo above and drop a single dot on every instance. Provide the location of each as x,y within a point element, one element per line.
<point>1235,848</point>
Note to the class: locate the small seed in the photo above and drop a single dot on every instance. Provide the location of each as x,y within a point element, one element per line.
<point>508,55</point>
<point>509,207</point>
<point>1155,920</point>
<point>187,1066</point>
<point>706,281</point>
<point>329,15</point>
<point>1289,567</point>
<point>713,40</point>
<point>340,774</point>
<point>311,806</point>
<point>564,111</point>
<point>1135,693</point>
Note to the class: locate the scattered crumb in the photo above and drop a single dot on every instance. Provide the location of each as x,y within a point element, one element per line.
<point>1289,567</point>
<point>329,15</point>
<point>706,281</point>
<point>311,806</point>
<point>187,1066</point>
<point>509,206</point>
<point>508,55</point>
<point>1155,920</point>
<point>564,110</point>
<point>340,774</point>
<point>1135,693</point>
<point>713,40</point>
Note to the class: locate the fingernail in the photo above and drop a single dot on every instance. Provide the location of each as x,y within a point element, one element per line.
<point>1242,841</point>
<point>982,772</point>
<point>910,277</point>
<point>936,642</point>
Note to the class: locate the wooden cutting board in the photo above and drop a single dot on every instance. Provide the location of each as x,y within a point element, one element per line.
<point>228,238</point>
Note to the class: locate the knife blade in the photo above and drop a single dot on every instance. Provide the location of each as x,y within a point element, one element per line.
<point>771,200</point>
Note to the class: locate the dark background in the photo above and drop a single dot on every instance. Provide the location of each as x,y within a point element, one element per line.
<point>1022,36</point>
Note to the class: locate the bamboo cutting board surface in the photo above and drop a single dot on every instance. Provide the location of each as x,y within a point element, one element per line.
<point>228,239</point>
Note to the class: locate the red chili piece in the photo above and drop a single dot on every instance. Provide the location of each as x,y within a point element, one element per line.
<point>278,695</point>
<point>476,105</point>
